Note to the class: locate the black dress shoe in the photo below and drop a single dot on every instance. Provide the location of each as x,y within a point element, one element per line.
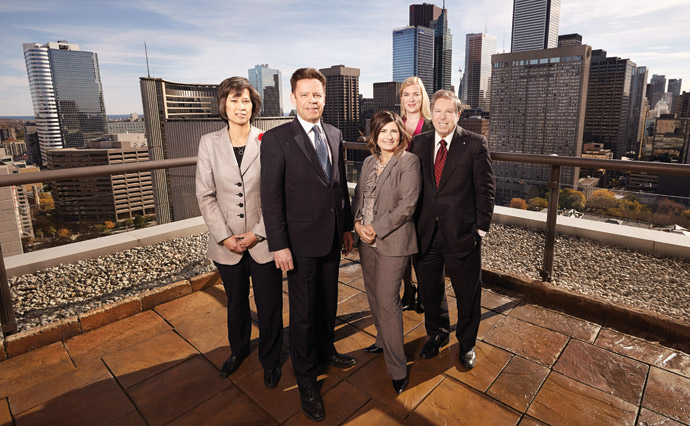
<point>312,405</point>
<point>400,385</point>
<point>339,360</point>
<point>231,364</point>
<point>419,307</point>
<point>373,349</point>
<point>272,377</point>
<point>468,359</point>
<point>432,345</point>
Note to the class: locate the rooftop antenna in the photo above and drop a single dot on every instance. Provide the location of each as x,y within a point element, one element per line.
<point>504,42</point>
<point>486,21</point>
<point>148,72</point>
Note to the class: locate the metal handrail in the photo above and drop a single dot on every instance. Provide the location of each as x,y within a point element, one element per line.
<point>9,325</point>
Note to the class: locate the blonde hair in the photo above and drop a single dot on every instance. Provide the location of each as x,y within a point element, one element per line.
<point>425,108</point>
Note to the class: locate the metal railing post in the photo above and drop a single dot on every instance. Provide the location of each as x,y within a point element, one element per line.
<point>551,217</point>
<point>9,324</point>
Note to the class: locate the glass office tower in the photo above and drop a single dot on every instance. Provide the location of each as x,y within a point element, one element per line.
<point>413,55</point>
<point>69,99</point>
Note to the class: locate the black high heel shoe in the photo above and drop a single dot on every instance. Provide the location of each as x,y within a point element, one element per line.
<point>400,385</point>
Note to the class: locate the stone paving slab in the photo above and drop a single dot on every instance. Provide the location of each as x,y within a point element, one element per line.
<point>33,367</point>
<point>536,366</point>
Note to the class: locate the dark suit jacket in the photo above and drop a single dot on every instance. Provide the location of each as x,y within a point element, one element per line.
<point>302,211</point>
<point>464,199</point>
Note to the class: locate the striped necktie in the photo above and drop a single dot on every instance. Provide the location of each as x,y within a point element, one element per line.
<point>321,152</point>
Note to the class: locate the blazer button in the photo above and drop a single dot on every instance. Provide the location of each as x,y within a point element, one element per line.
<point>239,184</point>
<point>241,205</point>
<point>241,215</point>
<point>375,212</point>
<point>239,194</point>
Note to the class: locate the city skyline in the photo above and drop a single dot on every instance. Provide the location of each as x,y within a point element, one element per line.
<point>202,45</point>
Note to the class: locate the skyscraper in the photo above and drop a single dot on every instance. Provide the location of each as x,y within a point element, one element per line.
<point>636,115</point>
<point>387,96</point>
<point>413,55</point>
<point>342,100</point>
<point>535,24</point>
<point>656,90</point>
<point>674,85</point>
<point>270,86</point>
<point>608,102</point>
<point>67,95</point>
<point>436,18</point>
<point>476,85</point>
<point>538,102</point>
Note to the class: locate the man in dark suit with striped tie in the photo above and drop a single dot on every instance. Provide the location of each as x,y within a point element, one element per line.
<point>453,214</point>
<point>307,214</point>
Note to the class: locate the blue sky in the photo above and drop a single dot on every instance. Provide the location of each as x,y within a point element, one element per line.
<point>205,41</point>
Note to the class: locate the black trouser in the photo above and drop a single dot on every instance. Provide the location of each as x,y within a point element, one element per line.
<point>268,296</point>
<point>313,296</point>
<point>466,279</point>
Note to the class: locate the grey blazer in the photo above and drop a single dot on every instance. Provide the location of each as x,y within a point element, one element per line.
<point>396,197</point>
<point>229,196</point>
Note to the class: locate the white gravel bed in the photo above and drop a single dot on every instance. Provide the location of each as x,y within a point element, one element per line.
<point>617,274</point>
<point>66,290</point>
<point>613,273</point>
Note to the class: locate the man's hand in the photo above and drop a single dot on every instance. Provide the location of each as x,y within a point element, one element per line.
<point>247,240</point>
<point>348,239</point>
<point>233,244</point>
<point>283,260</point>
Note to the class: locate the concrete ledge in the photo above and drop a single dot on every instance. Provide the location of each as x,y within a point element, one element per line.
<point>164,294</point>
<point>656,242</point>
<point>204,281</point>
<point>96,318</point>
<point>580,305</point>
<point>26,341</point>
<point>70,253</point>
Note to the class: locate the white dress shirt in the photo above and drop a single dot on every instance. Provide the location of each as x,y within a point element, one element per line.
<point>309,129</point>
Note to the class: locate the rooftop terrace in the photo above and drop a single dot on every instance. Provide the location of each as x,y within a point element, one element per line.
<point>536,365</point>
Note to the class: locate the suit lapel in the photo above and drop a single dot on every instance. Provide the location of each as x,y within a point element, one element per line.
<point>457,146</point>
<point>385,175</point>
<point>224,146</point>
<point>307,148</point>
<point>429,159</point>
<point>251,152</point>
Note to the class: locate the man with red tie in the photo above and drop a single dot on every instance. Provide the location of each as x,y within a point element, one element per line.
<point>453,214</point>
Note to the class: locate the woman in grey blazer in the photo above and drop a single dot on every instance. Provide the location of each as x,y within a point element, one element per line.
<point>227,189</point>
<point>383,205</point>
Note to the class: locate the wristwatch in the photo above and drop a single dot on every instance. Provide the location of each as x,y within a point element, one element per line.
<point>259,238</point>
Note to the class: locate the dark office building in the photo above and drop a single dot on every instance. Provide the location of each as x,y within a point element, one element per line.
<point>33,149</point>
<point>342,100</point>
<point>566,40</point>
<point>413,55</point>
<point>636,111</point>
<point>176,115</point>
<point>387,96</point>
<point>681,105</point>
<point>608,102</point>
<point>656,89</point>
<point>436,18</point>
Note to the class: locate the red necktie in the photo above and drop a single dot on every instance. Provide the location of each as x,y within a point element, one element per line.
<point>440,161</point>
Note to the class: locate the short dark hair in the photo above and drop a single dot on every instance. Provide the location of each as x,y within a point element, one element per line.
<point>236,86</point>
<point>306,74</point>
<point>446,94</point>
<point>379,120</point>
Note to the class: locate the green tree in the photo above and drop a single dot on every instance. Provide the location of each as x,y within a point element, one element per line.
<point>139,222</point>
<point>537,203</point>
<point>602,200</point>
<point>570,199</point>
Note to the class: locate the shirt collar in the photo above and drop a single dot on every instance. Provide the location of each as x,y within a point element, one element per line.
<point>307,126</point>
<point>448,139</point>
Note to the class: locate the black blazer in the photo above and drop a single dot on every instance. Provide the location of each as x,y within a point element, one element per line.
<point>302,211</point>
<point>464,199</point>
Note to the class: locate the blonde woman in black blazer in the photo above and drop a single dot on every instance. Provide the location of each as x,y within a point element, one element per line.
<point>228,179</point>
<point>383,206</point>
